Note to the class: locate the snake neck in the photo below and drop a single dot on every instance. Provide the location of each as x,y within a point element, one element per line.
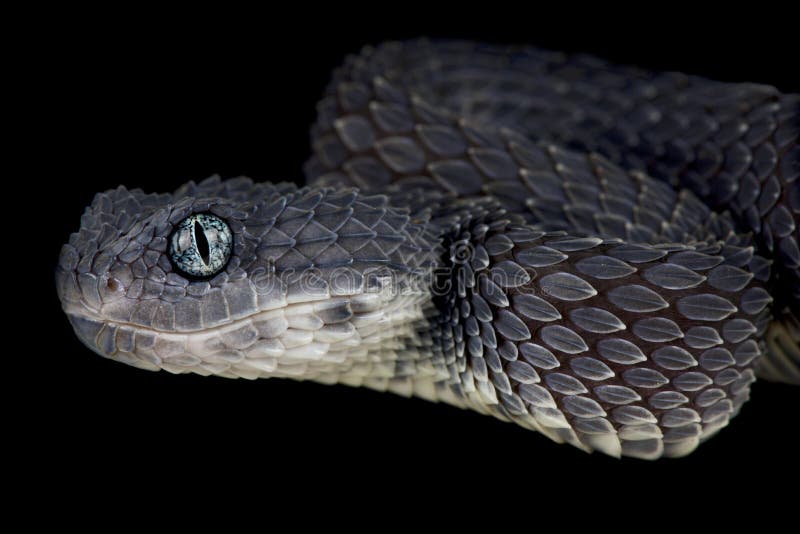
<point>417,348</point>
<point>562,334</point>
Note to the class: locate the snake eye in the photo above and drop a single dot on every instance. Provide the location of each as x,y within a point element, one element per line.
<point>200,246</point>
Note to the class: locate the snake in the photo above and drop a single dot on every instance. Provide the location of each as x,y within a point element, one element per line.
<point>600,253</point>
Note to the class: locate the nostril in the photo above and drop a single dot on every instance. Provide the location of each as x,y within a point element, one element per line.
<point>113,285</point>
<point>111,289</point>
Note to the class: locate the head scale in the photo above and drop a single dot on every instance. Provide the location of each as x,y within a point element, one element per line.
<point>241,279</point>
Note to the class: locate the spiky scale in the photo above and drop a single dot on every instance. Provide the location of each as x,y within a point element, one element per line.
<point>620,351</point>
<point>564,384</point>
<point>636,298</point>
<point>604,267</point>
<point>566,286</point>
<point>590,368</point>
<point>596,320</point>
<point>616,394</point>
<point>673,358</point>
<point>535,308</point>
<point>666,400</point>
<point>538,356</point>
<point>563,339</point>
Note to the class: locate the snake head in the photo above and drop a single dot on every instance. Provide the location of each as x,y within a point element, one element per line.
<point>239,279</point>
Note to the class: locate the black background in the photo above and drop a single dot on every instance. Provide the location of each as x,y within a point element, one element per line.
<point>152,103</point>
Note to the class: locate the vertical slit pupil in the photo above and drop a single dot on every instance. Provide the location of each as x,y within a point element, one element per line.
<point>202,242</point>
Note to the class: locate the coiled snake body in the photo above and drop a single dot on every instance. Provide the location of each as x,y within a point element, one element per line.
<point>602,254</point>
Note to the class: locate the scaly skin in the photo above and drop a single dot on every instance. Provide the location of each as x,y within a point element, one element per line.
<point>443,250</point>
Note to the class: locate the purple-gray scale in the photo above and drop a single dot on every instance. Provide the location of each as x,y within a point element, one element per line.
<point>577,291</point>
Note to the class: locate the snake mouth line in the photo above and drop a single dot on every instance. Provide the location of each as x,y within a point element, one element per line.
<point>286,341</point>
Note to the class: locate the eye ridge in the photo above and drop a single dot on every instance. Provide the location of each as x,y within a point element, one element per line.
<point>194,253</point>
